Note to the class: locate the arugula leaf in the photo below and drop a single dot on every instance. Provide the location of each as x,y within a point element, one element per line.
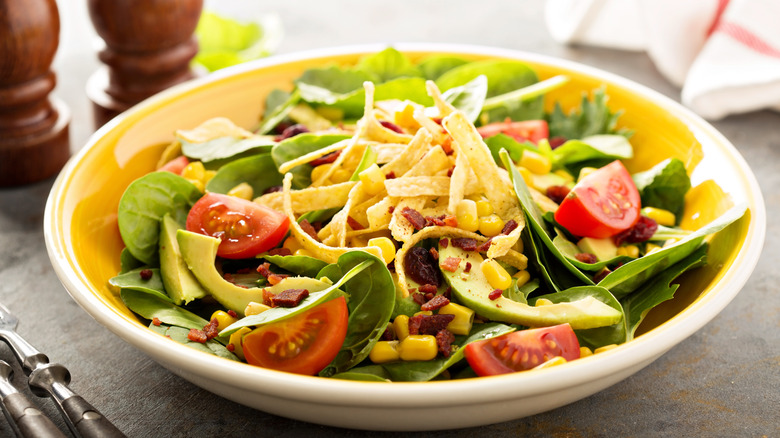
<point>259,171</point>
<point>434,66</point>
<point>132,280</point>
<point>592,118</point>
<point>468,97</point>
<point>388,64</point>
<point>664,185</point>
<point>300,145</point>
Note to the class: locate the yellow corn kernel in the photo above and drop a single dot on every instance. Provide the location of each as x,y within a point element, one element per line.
<point>464,318</point>
<point>197,183</point>
<point>223,319</point>
<point>418,347</point>
<point>585,171</point>
<point>483,208</point>
<point>424,312</point>
<point>385,351</point>
<point>292,244</point>
<point>401,327</point>
<point>661,216</point>
<point>386,247</point>
<point>208,175</point>
<point>243,191</point>
<point>557,360</point>
<point>303,252</point>
<point>491,225</point>
<point>535,162</point>
<point>340,176</point>
<point>604,348</point>
<point>651,248</point>
<point>522,277</point>
<point>628,250</point>
<point>194,170</point>
<point>236,339</point>
<point>254,308</point>
<point>373,180</point>
<point>585,352</point>
<point>466,214</point>
<point>495,274</point>
<point>527,176</point>
<point>320,170</point>
<point>565,175</point>
<point>405,118</point>
<point>543,302</point>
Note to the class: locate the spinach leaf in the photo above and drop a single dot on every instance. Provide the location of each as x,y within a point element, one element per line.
<point>179,334</point>
<point>569,250</point>
<point>515,149</point>
<point>352,103</point>
<point>387,65</point>
<point>592,118</point>
<point>278,105</point>
<point>259,171</point>
<point>664,185</point>
<point>468,97</point>
<point>144,203</point>
<point>127,262</point>
<point>594,151</point>
<point>151,306</point>
<point>595,337</point>
<point>434,66</point>
<point>657,290</point>
<point>132,280</point>
<point>630,276</point>
<point>300,265</point>
<point>322,84</point>
<point>371,299</point>
<point>300,145</point>
<point>225,147</point>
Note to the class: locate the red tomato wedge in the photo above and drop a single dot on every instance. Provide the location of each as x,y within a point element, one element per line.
<point>303,344</point>
<point>527,130</point>
<point>522,350</point>
<point>245,228</point>
<point>602,204</point>
<point>176,165</point>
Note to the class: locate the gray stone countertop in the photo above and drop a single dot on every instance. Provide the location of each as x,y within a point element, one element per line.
<point>722,381</point>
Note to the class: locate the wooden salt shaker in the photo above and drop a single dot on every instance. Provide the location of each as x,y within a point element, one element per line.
<point>34,137</point>
<point>149,45</point>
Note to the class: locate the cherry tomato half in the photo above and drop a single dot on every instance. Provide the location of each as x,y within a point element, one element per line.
<point>602,204</point>
<point>522,350</point>
<point>303,344</point>
<point>245,228</point>
<point>527,130</point>
<point>176,165</point>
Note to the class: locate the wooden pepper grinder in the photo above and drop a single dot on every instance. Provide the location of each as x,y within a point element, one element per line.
<point>149,45</point>
<point>34,137</point>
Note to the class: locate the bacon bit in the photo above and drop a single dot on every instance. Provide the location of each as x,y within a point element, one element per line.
<point>448,293</point>
<point>586,257</point>
<point>280,251</point>
<point>444,242</point>
<point>444,340</point>
<point>275,279</point>
<point>447,145</point>
<point>156,321</point>
<point>451,221</point>
<point>244,271</point>
<point>509,226</point>
<point>263,269</point>
<point>495,294</point>
<point>485,246</point>
<point>146,274</point>
<point>428,288</point>
<point>354,224</point>
<point>390,209</point>
<point>325,159</point>
<point>437,120</point>
<point>390,175</point>
<point>434,253</point>
<point>451,264</point>
<point>450,171</point>
<point>309,229</point>
<point>430,220</point>
<point>436,303</point>
<point>229,278</point>
<point>230,347</point>
<point>429,324</point>
<point>418,298</point>
<point>267,296</point>
<point>272,189</point>
<point>289,297</point>
<point>211,329</point>
<point>556,141</point>
<point>414,217</point>
<point>464,243</point>
<point>388,334</point>
<point>467,269</point>
<point>391,126</point>
<point>232,313</point>
<point>196,335</point>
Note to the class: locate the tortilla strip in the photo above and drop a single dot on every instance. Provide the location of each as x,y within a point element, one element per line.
<point>419,145</point>
<point>310,198</point>
<point>418,186</point>
<point>385,153</point>
<point>432,162</point>
<point>400,228</point>
<point>375,130</point>
<point>460,175</point>
<point>445,108</point>
<point>313,155</point>
<point>213,128</point>
<point>379,214</point>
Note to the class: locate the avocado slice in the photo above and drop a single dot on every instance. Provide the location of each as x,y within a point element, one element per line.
<point>200,252</point>
<point>472,290</point>
<point>180,284</point>
<point>604,249</point>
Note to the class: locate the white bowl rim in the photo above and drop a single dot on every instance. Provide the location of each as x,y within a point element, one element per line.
<point>641,350</point>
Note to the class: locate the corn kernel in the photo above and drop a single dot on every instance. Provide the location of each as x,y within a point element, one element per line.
<point>401,327</point>
<point>466,214</point>
<point>495,274</point>
<point>585,171</point>
<point>628,250</point>
<point>194,170</point>
<point>197,183</point>
<point>340,176</point>
<point>604,348</point>
<point>661,216</point>
<point>528,177</point>
<point>243,191</point>
<point>292,244</point>
<point>491,225</point>
<point>385,351</point>
<point>236,338</point>
<point>386,247</point>
<point>254,308</point>
<point>535,162</point>
<point>373,180</point>
<point>585,352</point>
<point>223,319</point>
<point>543,302</point>
<point>464,318</point>
<point>320,170</point>
<point>565,175</point>
<point>557,360</point>
<point>303,252</point>
<point>405,118</point>
<point>424,312</point>
<point>651,248</point>
<point>208,175</point>
<point>522,277</point>
<point>483,208</point>
<point>418,347</point>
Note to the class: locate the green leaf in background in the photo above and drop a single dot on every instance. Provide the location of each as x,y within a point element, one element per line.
<point>300,145</point>
<point>225,147</point>
<point>593,117</point>
<point>259,171</point>
<point>435,66</point>
<point>223,42</point>
<point>327,84</point>
<point>664,185</point>
<point>278,106</point>
<point>388,64</point>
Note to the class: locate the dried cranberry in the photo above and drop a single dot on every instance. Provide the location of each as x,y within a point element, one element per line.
<point>146,274</point>
<point>325,159</point>
<point>272,189</point>
<point>391,126</point>
<point>557,193</point>
<point>556,141</point>
<point>421,267</point>
<point>640,232</point>
<point>292,131</point>
<point>586,257</point>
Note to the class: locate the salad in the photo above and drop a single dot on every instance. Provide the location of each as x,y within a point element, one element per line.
<point>401,221</point>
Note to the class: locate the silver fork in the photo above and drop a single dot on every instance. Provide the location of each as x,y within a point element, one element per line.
<point>51,379</point>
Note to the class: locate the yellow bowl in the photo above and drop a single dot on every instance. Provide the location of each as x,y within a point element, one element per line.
<point>84,245</point>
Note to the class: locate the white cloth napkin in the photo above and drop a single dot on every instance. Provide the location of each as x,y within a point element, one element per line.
<point>725,54</point>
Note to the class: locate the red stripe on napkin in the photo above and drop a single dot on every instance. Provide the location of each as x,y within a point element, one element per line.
<point>718,13</point>
<point>748,38</point>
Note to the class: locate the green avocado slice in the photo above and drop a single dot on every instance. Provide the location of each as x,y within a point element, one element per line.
<point>199,253</point>
<point>472,290</point>
<point>180,284</point>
